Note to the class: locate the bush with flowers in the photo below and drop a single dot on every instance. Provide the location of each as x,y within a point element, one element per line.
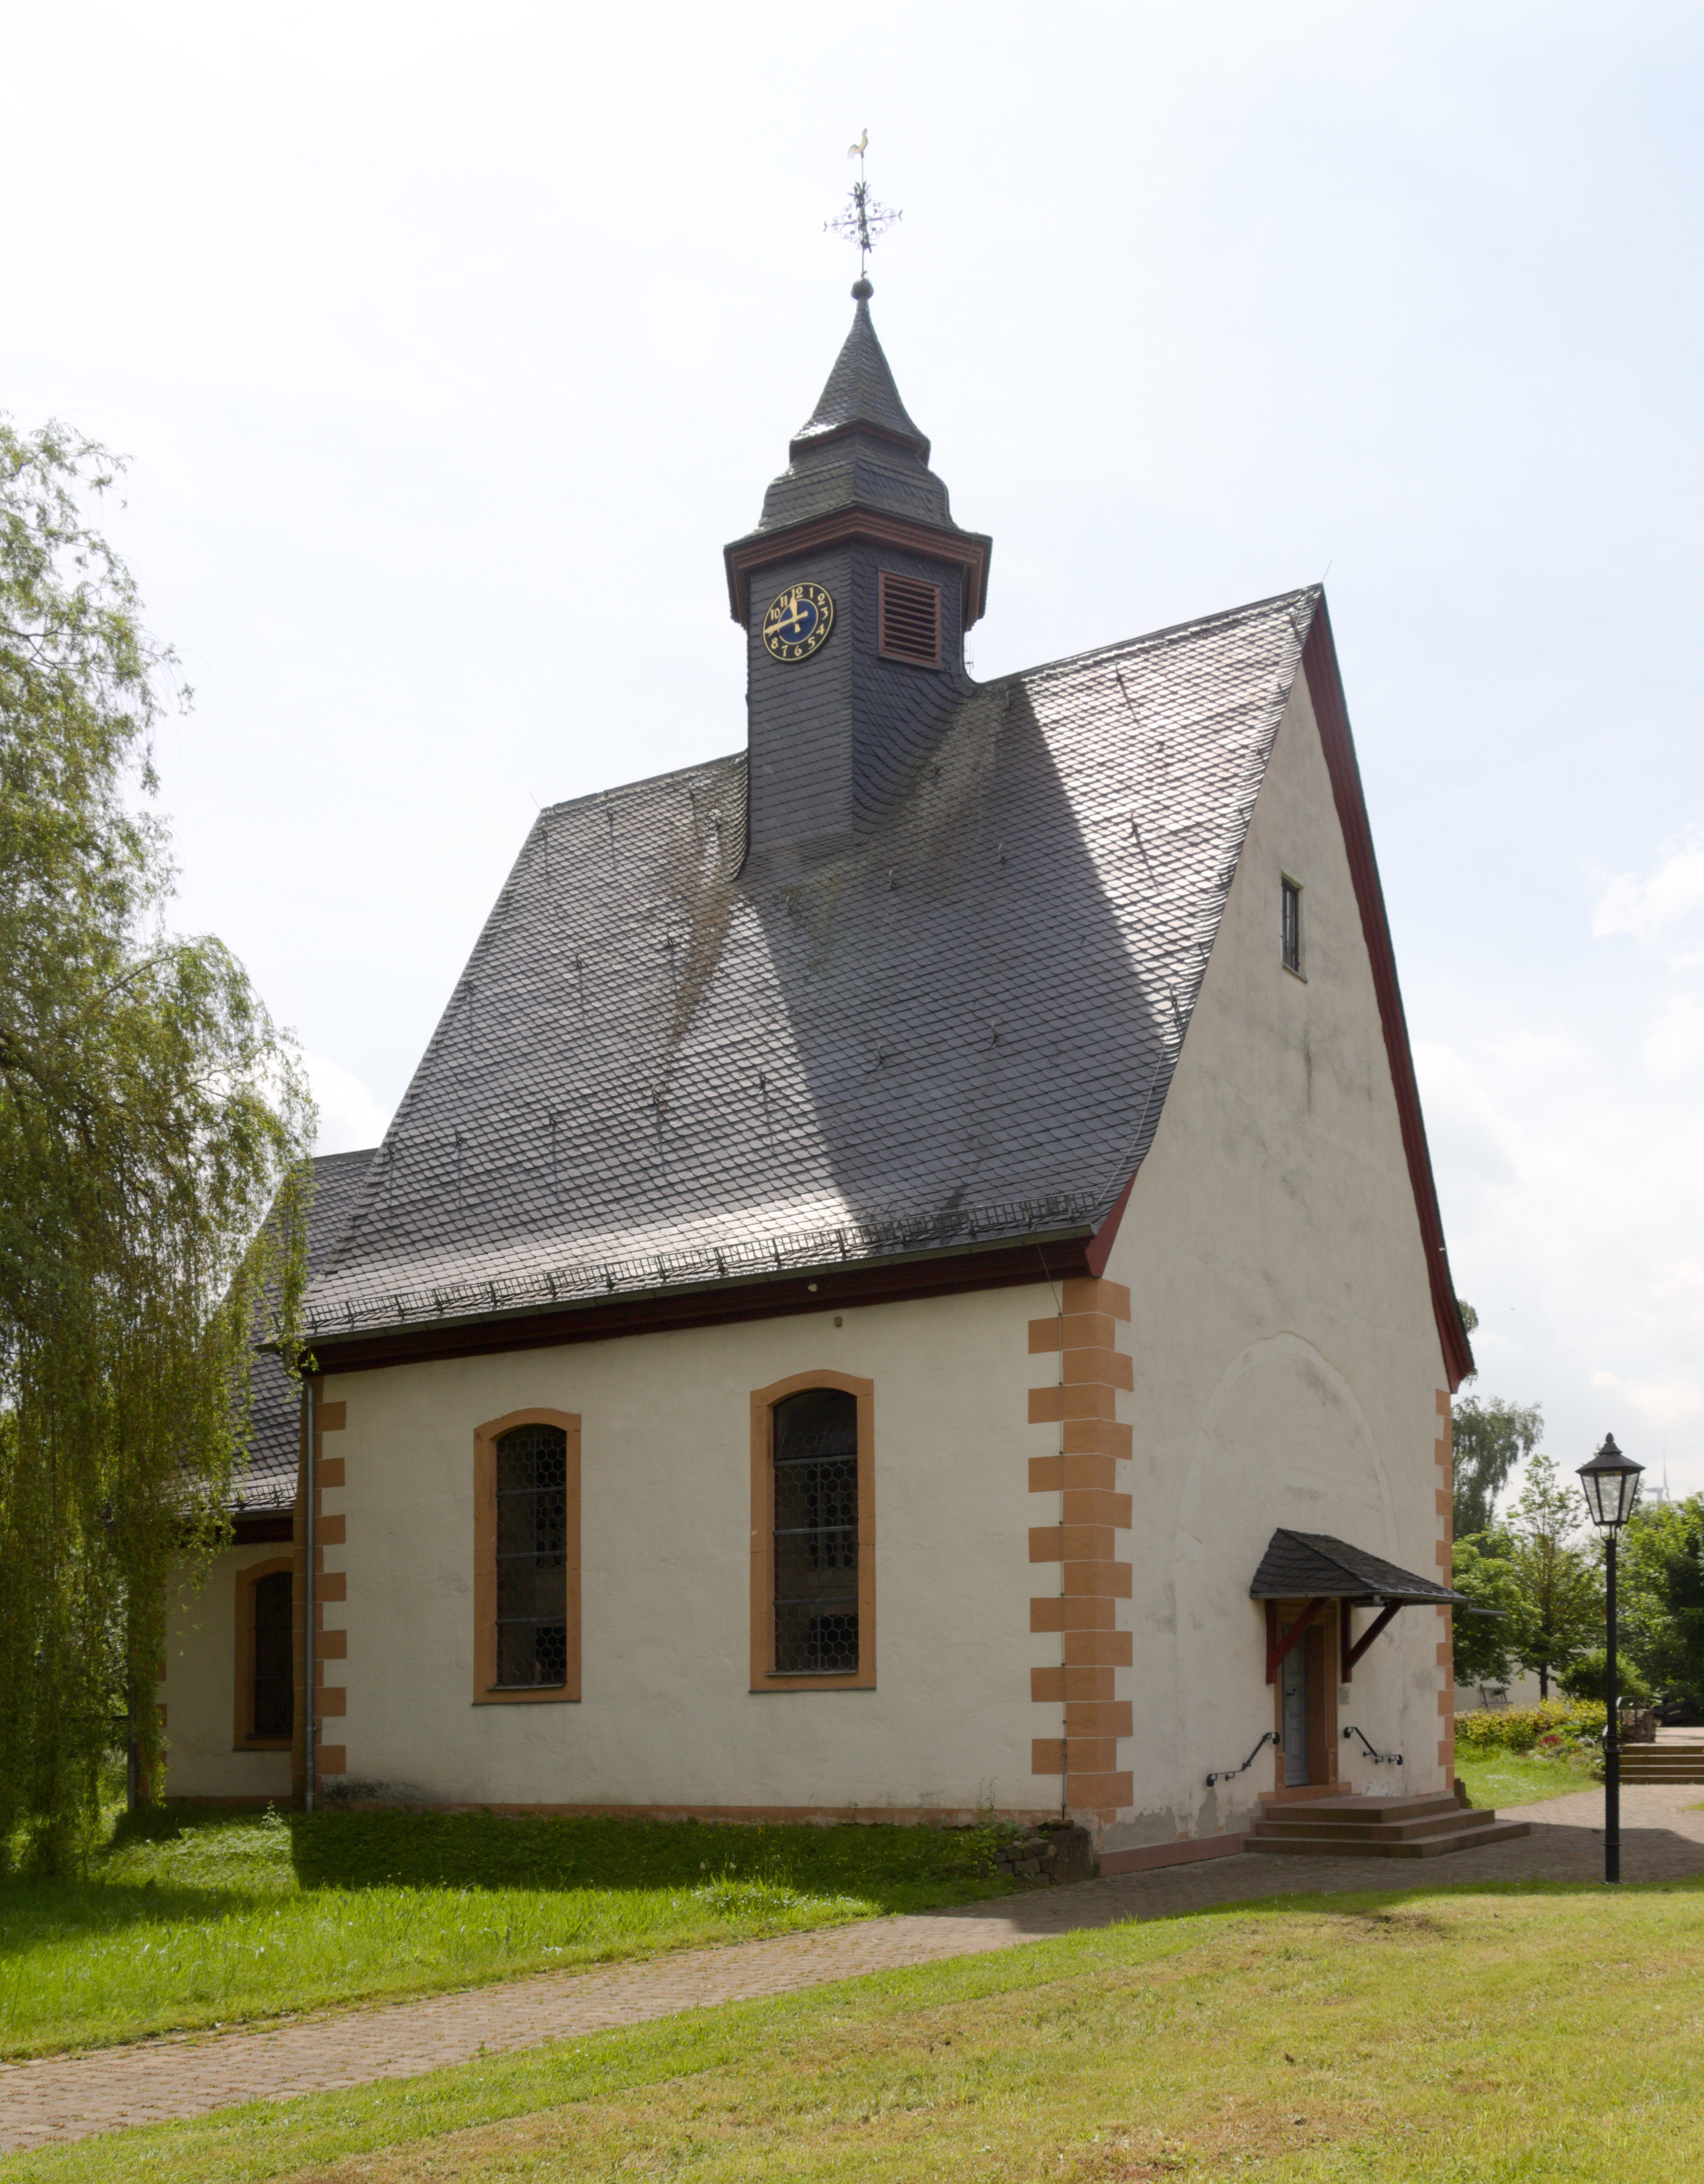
<point>1558,1728</point>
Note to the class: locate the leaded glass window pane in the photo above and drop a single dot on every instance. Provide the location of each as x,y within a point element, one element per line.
<point>531,1555</point>
<point>817,1533</point>
<point>273,1699</point>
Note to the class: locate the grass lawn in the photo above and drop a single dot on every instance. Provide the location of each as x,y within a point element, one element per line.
<point>1517,1778</point>
<point>211,1921</point>
<point>1455,2037</point>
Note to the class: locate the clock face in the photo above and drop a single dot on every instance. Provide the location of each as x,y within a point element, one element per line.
<point>798,622</point>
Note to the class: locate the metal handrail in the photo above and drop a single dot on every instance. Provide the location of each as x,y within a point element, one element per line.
<point>1230,1773</point>
<point>1378,1759</point>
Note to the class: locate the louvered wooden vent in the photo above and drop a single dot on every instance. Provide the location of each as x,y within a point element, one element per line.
<point>910,620</point>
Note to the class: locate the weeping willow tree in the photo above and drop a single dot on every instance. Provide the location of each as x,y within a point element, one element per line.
<point>150,1116</point>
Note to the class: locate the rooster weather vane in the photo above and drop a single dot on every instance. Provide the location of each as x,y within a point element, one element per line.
<point>863,221</point>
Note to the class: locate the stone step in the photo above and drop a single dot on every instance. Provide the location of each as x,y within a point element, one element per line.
<point>1642,1770</point>
<point>1385,1810</point>
<point>1409,1829</point>
<point>1335,1845</point>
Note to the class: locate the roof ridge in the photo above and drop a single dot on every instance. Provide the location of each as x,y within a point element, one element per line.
<point>1123,647</point>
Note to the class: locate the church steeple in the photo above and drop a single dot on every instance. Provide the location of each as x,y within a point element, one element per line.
<point>855,590</point>
<point>858,466</point>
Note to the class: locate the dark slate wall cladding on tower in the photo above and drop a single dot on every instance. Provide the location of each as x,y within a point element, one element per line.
<point>978,1004</point>
<point>834,738</point>
<point>898,709</point>
<point>799,722</point>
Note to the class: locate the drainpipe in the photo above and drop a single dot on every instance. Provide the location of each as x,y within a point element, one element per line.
<point>308,1496</point>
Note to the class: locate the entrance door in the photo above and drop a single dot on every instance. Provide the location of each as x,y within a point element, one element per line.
<point>1296,1716</point>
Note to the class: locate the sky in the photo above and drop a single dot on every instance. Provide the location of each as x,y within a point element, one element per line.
<point>449,346</point>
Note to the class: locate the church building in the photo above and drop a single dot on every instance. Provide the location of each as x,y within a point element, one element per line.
<point>907,1282</point>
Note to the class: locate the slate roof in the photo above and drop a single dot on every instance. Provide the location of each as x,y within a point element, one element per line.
<point>859,447</point>
<point>1313,1566</point>
<point>654,1071</point>
<point>268,1481</point>
<point>860,389</point>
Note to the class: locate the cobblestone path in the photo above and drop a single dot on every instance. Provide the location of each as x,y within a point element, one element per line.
<point>59,2098</point>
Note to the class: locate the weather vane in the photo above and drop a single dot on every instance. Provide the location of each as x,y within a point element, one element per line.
<point>863,219</point>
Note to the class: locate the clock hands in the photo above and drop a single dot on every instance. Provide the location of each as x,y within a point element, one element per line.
<point>792,621</point>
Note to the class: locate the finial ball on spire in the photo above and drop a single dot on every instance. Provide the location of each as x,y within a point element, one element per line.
<point>863,289</point>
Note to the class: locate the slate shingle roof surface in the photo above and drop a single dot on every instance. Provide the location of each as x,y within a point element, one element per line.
<point>1313,1566</point>
<point>859,447</point>
<point>268,1481</point>
<point>656,1072</point>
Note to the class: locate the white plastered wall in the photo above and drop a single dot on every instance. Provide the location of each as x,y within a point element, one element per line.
<point>1286,1360</point>
<point>667,1717</point>
<point>199,1689</point>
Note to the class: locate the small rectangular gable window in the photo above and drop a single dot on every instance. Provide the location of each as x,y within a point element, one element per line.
<point>272,1695</point>
<point>531,1556</point>
<point>1290,927</point>
<point>911,619</point>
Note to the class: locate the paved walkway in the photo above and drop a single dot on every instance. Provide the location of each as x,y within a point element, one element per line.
<point>59,2098</point>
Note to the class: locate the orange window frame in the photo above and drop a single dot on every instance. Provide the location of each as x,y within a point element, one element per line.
<point>764,1676</point>
<point>243,1738</point>
<point>486,1437</point>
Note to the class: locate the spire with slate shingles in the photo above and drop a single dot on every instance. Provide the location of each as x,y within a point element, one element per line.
<point>858,467</point>
<point>860,394</point>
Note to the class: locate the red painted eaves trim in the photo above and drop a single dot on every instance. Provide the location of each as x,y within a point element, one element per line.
<point>828,1289</point>
<point>1099,1248</point>
<point>1325,688</point>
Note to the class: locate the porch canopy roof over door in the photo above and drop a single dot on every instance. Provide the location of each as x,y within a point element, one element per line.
<point>1315,1567</point>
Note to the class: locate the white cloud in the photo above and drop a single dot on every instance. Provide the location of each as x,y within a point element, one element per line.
<point>349,1116</point>
<point>1574,1202</point>
<point>1674,1046</point>
<point>1661,1403</point>
<point>1652,906</point>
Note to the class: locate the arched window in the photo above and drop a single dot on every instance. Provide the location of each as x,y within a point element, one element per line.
<point>531,1556</point>
<point>266,1657</point>
<point>816,1456</point>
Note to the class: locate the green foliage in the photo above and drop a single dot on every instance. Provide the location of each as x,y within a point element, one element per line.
<point>1587,1677</point>
<point>1491,1438</point>
<point>149,1114</point>
<point>1661,1598</point>
<point>213,1920</point>
<point>1556,1722</point>
<point>1559,1584</point>
<point>1483,1568</point>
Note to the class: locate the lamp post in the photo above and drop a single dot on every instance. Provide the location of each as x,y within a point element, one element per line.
<point>1611,1484</point>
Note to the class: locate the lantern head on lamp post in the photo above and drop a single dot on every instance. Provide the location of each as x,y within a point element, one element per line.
<point>1611,1481</point>
<point>1611,1484</point>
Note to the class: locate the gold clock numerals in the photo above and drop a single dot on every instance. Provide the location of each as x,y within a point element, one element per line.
<point>796,622</point>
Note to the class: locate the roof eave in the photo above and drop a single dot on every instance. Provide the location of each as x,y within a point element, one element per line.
<point>999,1261</point>
<point>1330,712</point>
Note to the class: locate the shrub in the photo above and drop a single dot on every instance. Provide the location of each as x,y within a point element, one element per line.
<point>1586,1678</point>
<point>1558,1725</point>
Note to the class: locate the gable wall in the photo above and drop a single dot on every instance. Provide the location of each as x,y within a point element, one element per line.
<point>1286,1365</point>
